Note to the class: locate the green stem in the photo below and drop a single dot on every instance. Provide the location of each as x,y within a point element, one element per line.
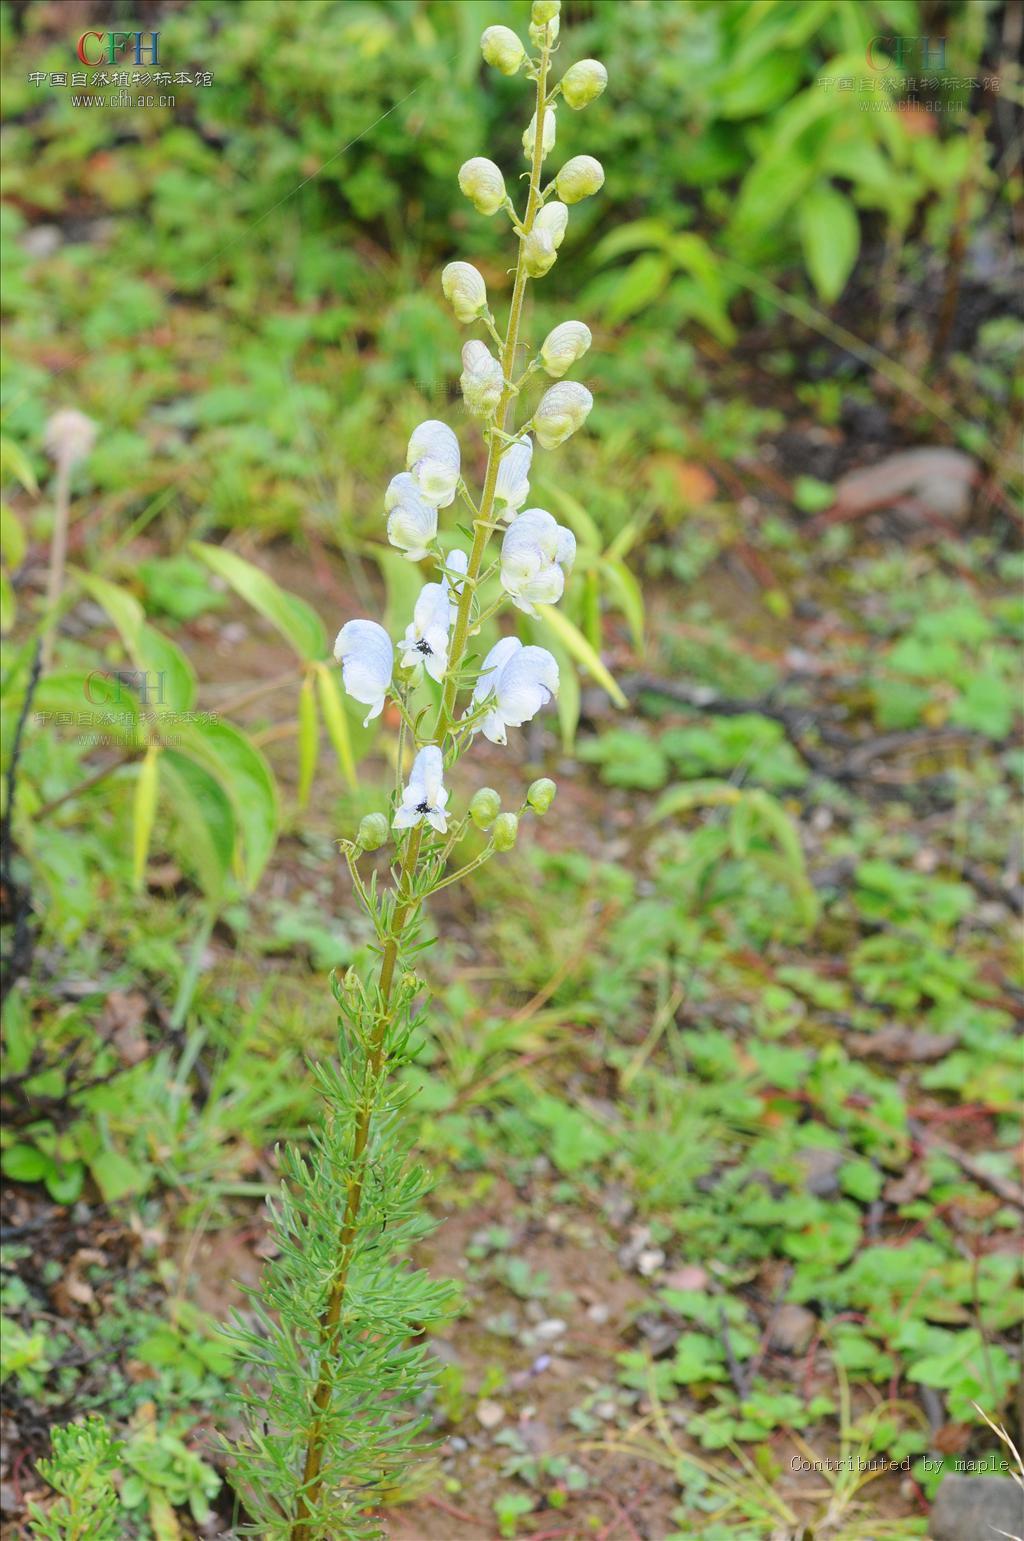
<point>308,1497</point>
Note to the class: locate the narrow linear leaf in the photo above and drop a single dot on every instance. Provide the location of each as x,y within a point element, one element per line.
<point>246,778</point>
<point>576,643</point>
<point>309,738</point>
<point>337,723</point>
<point>629,597</point>
<point>144,813</point>
<point>296,620</point>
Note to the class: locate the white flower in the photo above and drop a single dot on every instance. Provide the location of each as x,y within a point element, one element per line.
<point>563,346</point>
<point>69,436</point>
<point>482,380</point>
<point>367,656</point>
<point>547,137</point>
<point>560,411</point>
<point>551,220</point>
<point>501,47</point>
<point>512,487</point>
<point>465,290</point>
<point>578,178</point>
<point>433,458</point>
<point>515,681</point>
<point>425,797</point>
<point>583,83</point>
<point>456,565</point>
<point>539,253</point>
<point>412,520</point>
<point>536,553</point>
<point>426,637</point>
<point>483,184</point>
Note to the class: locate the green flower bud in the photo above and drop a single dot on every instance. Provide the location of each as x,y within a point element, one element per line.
<point>485,807</point>
<point>579,178</point>
<point>502,49</point>
<point>372,832</point>
<point>541,794</point>
<point>548,140</point>
<point>465,290</point>
<point>583,83</point>
<point>505,832</point>
<point>544,21</point>
<point>563,346</point>
<point>483,184</point>
<point>538,253</point>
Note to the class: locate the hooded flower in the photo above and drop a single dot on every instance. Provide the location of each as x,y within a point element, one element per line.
<point>425,796</point>
<point>482,380</point>
<point>483,184</point>
<point>503,49</point>
<point>426,637</point>
<point>583,83</point>
<point>464,289</point>
<point>515,682</point>
<point>547,134</point>
<point>366,655</point>
<point>552,220</point>
<point>412,520</point>
<point>512,487</point>
<point>535,556</point>
<point>434,460</point>
<point>561,410</point>
<point>564,345</point>
<point>579,178</point>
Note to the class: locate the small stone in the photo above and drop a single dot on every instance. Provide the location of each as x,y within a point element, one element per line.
<point>547,1331</point>
<point>791,1329</point>
<point>649,1261</point>
<point>598,1313</point>
<point>976,1509</point>
<point>821,1164</point>
<point>606,1411</point>
<point>489,1414</point>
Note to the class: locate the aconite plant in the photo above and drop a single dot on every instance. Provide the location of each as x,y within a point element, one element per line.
<point>336,1394</point>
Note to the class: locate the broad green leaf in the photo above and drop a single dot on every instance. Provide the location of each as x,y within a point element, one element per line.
<point>123,608</point>
<point>8,603</point>
<point>694,794</point>
<point>245,776</point>
<point>576,643</point>
<point>12,537</point>
<point>14,460</point>
<point>751,89</point>
<point>693,254</point>
<point>830,237</point>
<point>108,706</point>
<point>116,1176</point>
<point>204,818</point>
<point>337,722</point>
<point>296,620</point>
<point>144,813</point>
<point>629,596</point>
<point>635,236</point>
<point>309,738</point>
<point>169,680</point>
<point>639,285</point>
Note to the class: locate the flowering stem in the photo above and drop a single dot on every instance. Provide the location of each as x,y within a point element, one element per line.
<point>482,525</point>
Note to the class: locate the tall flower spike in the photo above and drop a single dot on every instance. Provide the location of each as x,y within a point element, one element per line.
<point>465,290</point>
<point>536,553</point>
<point>563,346</point>
<point>561,410</point>
<point>412,520</point>
<point>425,796</point>
<point>512,487</point>
<point>425,643</point>
<point>367,656</point>
<point>482,381</point>
<point>516,682</point>
<point>435,461</point>
<point>483,184</point>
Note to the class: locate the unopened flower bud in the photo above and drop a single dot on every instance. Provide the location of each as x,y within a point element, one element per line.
<point>583,83</point>
<point>482,380</point>
<point>552,219</point>
<point>372,832</point>
<point>484,807</point>
<point>502,49</point>
<point>505,831</point>
<point>465,290</point>
<point>483,184</point>
<point>563,346</point>
<point>548,140</point>
<point>538,253</point>
<point>562,409</point>
<point>544,21</point>
<point>541,794</point>
<point>579,178</point>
